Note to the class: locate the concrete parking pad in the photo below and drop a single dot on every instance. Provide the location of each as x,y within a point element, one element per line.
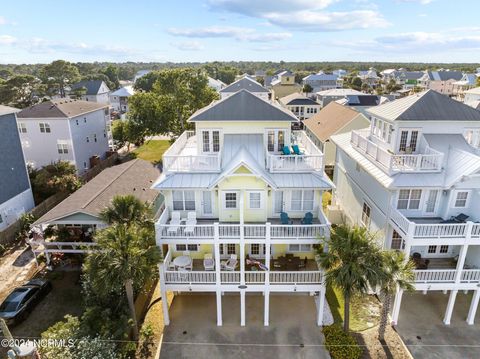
<point>292,332</point>
<point>421,328</point>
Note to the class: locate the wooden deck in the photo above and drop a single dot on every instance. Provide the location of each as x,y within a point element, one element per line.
<point>311,266</point>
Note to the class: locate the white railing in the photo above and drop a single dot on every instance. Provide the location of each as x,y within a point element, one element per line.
<point>230,277</point>
<point>184,231</point>
<point>174,161</point>
<point>295,163</point>
<point>255,231</point>
<point>430,161</point>
<point>39,247</point>
<point>302,277</point>
<point>435,276</point>
<point>229,230</point>
<point>199,277</point>
<point>280,231</point>
<point>255,277</point>
<point>470,276</point>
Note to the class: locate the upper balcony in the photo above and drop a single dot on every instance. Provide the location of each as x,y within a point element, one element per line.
<point>183,156</point>
<point>429,160</point>
<point>310,158</point>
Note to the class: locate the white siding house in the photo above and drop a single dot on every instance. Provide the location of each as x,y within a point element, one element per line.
<point>95,90</point>
<point>245,83</point>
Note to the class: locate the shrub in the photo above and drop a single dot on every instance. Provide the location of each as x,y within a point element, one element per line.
<point>341,345</point>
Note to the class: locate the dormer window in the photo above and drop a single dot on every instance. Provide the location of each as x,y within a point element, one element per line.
<point>408,141</point>
<point>210,141</point>
<point>382,130</point>
<point>275,140</point>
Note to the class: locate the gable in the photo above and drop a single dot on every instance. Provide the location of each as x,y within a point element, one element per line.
<point>242,170</point>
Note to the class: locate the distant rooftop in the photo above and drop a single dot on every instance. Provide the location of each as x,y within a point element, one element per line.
<point>297,99</point>
<point>6,110</point>
<point>244,84</point>
<point>92,86</point>
<point>126,91</point>
<point>339,92</point>
<point>63,108</point>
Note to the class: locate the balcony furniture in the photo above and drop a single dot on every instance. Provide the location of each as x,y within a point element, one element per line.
<point>191,223</point>
<point>416,255</point>
<point>183,262</point>
<point>303,264</point>
<point>171,265</point>
<point>308,219</point>
<point>284,218</point>
<point>461,218</point>
<point>289,255</point>
<point>420,263</point>
<point>286,151</point>
<point>208,262</point>
<point>174,223</point>
<point>296,150</point>
<point>231,263</point>
<point>290,263</point>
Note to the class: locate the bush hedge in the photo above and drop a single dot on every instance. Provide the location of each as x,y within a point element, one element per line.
<point>341,345</point>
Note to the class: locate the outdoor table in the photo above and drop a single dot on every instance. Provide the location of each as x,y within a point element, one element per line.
<point>182,261</point>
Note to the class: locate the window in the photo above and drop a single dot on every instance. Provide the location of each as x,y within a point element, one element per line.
<point>472,136</point>
<point>382,129</point>
<point>22,128</point>
<point>216,141</point>
<point>461,199</point>
<point>88,140</point>
<point>85,165</point>
<point>397,241</point>
<point>1,219</point>
<point>62,148</point>
<point>271,141</point>
<point>409,199</point>
<point>183,200</point>
<point>444,249</point>
<point>403,141</point>
<point>210,141</point>
<point>302,200</point>
<point>230,200</point>
<point>254,200</point>
<point>255,248</point>
<point>366,214</point>
<point>299,247</point>
<point>44,127</point>
<point>231,248</point>
<point>206,141</point>
<point>275,140</point>
<point>186,247</point>
<point>95,137</point>
<point>432,249</point>
<point>408,140</point>
<point>76,121</point>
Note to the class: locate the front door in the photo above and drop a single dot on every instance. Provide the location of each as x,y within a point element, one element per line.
<point>430,208</point>
<point>207,203</point>
<point>279,203</point>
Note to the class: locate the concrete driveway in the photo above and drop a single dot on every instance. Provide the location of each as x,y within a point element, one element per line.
<point>421,328</point>
<point>193,332</point>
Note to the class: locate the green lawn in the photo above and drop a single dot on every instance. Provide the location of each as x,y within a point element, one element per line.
<point>364,310</point>
<point>152,150</point>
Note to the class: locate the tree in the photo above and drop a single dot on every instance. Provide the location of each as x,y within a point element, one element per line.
<point>356,83</point>
<point>20,91</point>
<point>398,272</point>
<point>478,80</point>
<point>148,114</point>
<point>112,73</point>
<point>127,210</point>
<point>58,75</point>
<point>352,263</point>
<point>392,86</point>
<point>307,88</point>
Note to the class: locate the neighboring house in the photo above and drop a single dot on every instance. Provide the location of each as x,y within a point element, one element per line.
<point>15,194</point>
<point>322,81</point>
<point>283,84</point>
<point>333,119</point>
<point>472,98</point>
<point>327,96</point>
<point>96,90</point>
<point>340,73</point>
<point>231,193</point>
<point>215,84</point>
<point>362,102</point>
<point>408,79</point>
<point>69,130</point>
<point>440,81</point>
<point>412,179</point>
<point>245,83</point>
<point>369,77</point>
<point>467,82</point>
<point>302,106</point>
<point>119,98</point>
<point>139,74</point>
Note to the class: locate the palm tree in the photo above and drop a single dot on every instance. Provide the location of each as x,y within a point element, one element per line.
<point>126,257</point>
<point>397,274</point>
<point>352,263</point>
<point>127,210</point>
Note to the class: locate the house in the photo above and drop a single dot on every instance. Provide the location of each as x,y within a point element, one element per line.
<point>321,81</point>
<point>362,102</point>
<point>283,84</point>
<point>245,83</point>
<point>472,98</point>
<point>302,106</point>
<point>215,84</point>
<point>16,194</point>
<point>369,77</point>
<point>119,98</point>
<point>327,96</point>
<point>467,82</point>
<point>233,212</point>
<point>340,73</point>
<point>331,120</point>
<point>441,81</point>
<point>412,178</point>
<point>68,130</point>
<point>95,90</point>
<point>140,73</point>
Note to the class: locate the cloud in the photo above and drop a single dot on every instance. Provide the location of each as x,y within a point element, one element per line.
<point>423,2</point>
<point>7,40</point>
<point>238,33</point>
<point>188,46</point>
<point>304,15</point>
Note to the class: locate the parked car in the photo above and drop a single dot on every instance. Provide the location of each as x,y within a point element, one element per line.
<point>23,299</point>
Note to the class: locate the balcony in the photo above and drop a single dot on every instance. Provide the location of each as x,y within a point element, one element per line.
<point>446,276</point>
<point>423,230</point>
<point>311,160</point>
<point>428,161</point>
<point>183,156</point>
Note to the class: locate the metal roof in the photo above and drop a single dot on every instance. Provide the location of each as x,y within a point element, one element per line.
<point>5,110</point>
<point>245,83</point>
<point>425,106</point>
<point>297,99</point>
<point>253,143</point>
<point>126,91</point>
<point>301,180</point>
<point>185,180</point>
<point>243,106</point>
<point>92,86</point>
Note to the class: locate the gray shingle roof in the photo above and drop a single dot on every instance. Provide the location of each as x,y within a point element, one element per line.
<point>92,86</point>
<point>297,99</point>
<point>63,108</point>
<point>425,106</point>
<point>444,75</point>
<point>244,84</point>
<point>133,177</point>
<point>243,106</point>
<point>5,110</point>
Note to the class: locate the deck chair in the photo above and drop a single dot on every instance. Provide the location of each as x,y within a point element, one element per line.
<point>284,218</point>
<point>296,150</point>
<point>286,151</point>
<point>208,262</point>
<point>191,223</point>
<point>308,218</point>
<point>230,264</point>
<point>174,223</point>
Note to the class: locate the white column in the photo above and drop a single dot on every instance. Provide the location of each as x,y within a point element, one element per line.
<point>219,308</point>
<point>450,305</point>
<point>267,274</point>
<point>473,307</point>
<point>216,248</point>
<point>242,307</point>
<point>266,314</point>
<point>321,306</point>
<point>461,260</point>
<point>396,306</point>
<point>163,293</point>
<point>242,241</point>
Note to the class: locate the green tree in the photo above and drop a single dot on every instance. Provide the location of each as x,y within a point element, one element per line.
<point>307,88</point>
<point>392,86</point>
<point>478,81</point>
<point>127,210</point>
<point>20,91</point>
<point>5,74</point>
<point>356,83</point>
<point>112,73</point>
<point>58,75</point>
<point>352,263</point>
<point>398,272</point>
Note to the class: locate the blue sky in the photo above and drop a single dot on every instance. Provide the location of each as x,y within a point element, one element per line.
<point>259,30</point>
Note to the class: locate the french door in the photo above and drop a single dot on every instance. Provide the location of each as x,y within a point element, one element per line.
<point>430,208</point>
<point>207,208</point>
<point>408,141</point>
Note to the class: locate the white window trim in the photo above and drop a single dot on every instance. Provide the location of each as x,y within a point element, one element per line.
<point>420,200</point>
<point>183,200</point>
<point>300,250</point>
<point>302,209</point>
<point>262,202</point>
<point>186,247</point>
<point>210,139</point>
<point>409,136</point>
<point>224,201</point>
<point>286,139</point>
<point>467,202</point>
<point>367,225</point>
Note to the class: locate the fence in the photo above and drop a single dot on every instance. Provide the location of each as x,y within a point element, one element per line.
<point>92,172</point>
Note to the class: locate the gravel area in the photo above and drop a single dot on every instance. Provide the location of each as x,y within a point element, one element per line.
<point>393,346</point>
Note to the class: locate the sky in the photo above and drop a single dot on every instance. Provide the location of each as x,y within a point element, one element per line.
<point>250,30</point>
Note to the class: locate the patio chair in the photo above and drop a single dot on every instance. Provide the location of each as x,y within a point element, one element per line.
<point>308,218</point>
<point>208,262</point>
<point>286,151</point>
<point>230,264</point>
<point>284,218</point>
<point>191,223</point>
<point>461,218</point>
<point>296,150</point>
<point>171,266</point>
<point>174,223</point>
